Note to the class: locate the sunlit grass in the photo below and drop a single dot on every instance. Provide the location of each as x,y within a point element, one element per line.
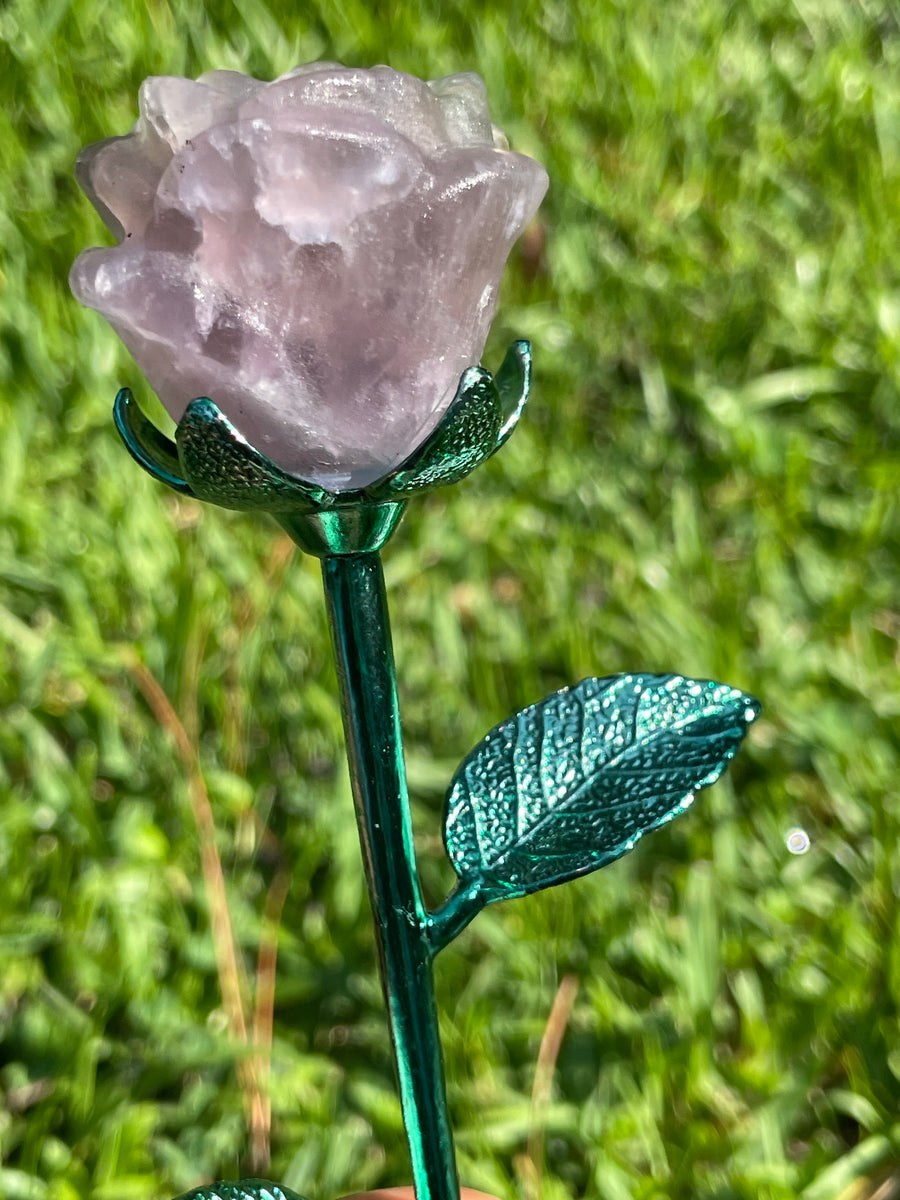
<point>706,482</point>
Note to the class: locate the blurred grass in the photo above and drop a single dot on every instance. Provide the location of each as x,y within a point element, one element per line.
<point>706,482</point>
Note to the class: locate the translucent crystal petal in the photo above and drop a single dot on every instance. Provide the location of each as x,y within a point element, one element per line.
<point>178,109</point>
<point>319,255</point>
<point>120,176</point>
<point>464,106</point>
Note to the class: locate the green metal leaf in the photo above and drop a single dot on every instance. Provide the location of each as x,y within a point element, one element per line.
<point>156,453</point>
<point>223,468</point>
<point>572,783</point>
<point>244,1189</point>
<point>465,437</point>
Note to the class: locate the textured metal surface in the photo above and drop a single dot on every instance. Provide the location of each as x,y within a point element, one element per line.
<point>570,784</point>
<point>465,437</point>
<point>244,1189</point>
<point>222,467</point>
<point>483,414</point>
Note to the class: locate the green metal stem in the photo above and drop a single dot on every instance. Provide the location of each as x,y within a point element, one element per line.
<point>357,610</point>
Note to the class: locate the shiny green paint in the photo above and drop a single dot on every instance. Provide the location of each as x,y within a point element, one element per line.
<point>150,448</point>
<point>244,1189</point>
<point>465,437</point>
<point>211,460</point>
<point>223,468</point>
<point>513,382</point>
<point>570,784</point>
<point>357,610</point>
<point>348,529</point>
<point>482,415</point>
<point>562,788</point>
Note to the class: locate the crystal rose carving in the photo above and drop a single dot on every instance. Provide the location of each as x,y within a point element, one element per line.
<point>319,255</point>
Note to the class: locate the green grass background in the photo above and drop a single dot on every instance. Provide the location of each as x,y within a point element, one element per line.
<point>706,482</point>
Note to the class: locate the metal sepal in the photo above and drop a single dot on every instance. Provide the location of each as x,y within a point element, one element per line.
<point>465,437</point>
<point>156,453</point>
<point>513,382</point>
<point>481,417</point>
<point>211,460</point>
<point>225,469</point>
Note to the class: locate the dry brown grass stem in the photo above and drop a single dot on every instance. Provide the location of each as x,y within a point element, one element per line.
<point>889,1189</point>
<point>233,983</point>
<point>531,1165</point>
<point>264,1013</point>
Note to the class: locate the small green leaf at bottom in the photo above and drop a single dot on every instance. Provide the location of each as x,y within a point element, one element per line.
<point>243,1189</point>
<point>572,783</point>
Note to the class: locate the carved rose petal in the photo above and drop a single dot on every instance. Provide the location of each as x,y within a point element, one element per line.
<point>319,255</point>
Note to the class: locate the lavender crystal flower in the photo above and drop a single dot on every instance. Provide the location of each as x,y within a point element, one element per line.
<point>319,255</point>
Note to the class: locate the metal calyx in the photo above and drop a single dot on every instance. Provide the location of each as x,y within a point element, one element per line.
<point>211,460</point>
